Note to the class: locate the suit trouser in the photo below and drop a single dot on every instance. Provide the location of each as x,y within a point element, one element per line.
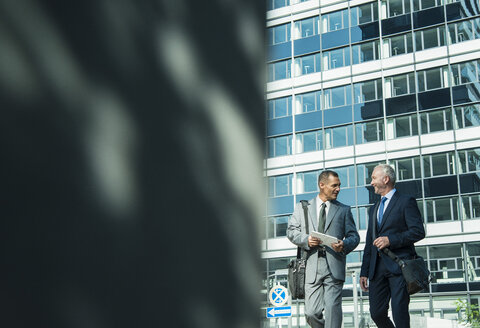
<point>384,286</point>
<point>325,294</point>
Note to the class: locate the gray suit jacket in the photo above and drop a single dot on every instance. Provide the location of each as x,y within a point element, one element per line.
<point>339,223</point>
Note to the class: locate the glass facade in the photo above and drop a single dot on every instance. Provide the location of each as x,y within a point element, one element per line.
<point>388,81</point>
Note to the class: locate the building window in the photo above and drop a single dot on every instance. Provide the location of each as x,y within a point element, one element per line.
<point>335,21</point>
<point>399,85</point>
<point>337,97</point>
<point>469,160</point>
<point>280,185</point>
<point>367,91</point>
<point>466,72</point>
<point>434,121</point>
<point>398,45</point>
<point>365,52</point>
<point>434,78</point>
<point>307,64</point>
<point>364,173</point>
<point>430,38</point>
<point>278,34</point>
<point>471,206</point>
<point>466,116</point>
<point>439,164</point>
<point>280,146</point>
<point>279,107</point>
<point>446,263</point>
<point>369,132</point>
<point>275,4</point>
<point>395,7</point>
<point>346,175</point>
<point>339,137</point>
<point>464,31</point>
<point>306,27</point>
<point>364,14</point>
<point>441,209</point>
<point>308,182</point>
<point>279,70</point>
<point>360,215</point>
<point>277,226</point>
<point>473,261</point>
<point>424,4</point>
<point>407,168</point>
<point>309,141</point>
<point>402,126</point>
<point>336,58</point>
<point>277,272</point>
<point>308,102</point>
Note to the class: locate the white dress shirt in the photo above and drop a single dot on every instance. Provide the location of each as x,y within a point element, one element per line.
<point>319,205</point>
<point>389,196</point>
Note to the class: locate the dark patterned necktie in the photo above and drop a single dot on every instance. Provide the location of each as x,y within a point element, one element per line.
<point>321,218</point>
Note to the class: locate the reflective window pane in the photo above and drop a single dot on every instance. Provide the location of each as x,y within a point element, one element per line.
<point>433,79</point>
<point>281,226</point>
<point>309,141</point>
<point>404,169</point>
<point>310,180</point>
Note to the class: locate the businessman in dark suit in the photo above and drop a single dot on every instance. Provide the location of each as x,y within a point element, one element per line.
<point>398,225</point>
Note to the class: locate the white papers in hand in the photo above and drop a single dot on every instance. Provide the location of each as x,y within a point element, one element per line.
<point>326,239</point>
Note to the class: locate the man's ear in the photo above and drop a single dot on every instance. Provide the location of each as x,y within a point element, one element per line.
<point>386,179</point>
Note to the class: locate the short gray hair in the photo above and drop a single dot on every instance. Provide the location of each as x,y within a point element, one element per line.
<point>388,171</point>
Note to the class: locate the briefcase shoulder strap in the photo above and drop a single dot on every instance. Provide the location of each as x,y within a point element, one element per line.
<point>394,257</point>
<point>305,216</point>
<point>305,213</point>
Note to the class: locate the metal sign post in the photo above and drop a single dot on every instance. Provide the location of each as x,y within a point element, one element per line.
<point>355,299</point>
<point>278,296</point>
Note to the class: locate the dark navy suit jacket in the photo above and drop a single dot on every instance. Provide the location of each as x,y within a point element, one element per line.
<point>403,225</point>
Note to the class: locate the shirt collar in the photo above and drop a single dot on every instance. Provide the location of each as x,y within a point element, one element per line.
<point>389,195</point>
<point>320,202</point>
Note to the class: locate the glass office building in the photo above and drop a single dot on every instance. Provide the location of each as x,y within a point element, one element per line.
<point>355,83</point>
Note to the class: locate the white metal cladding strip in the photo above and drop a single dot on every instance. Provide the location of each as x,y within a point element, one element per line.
<point>464,51</point>
<point>430,55</point>
<point>305,14</point>
<point>279,21</point>
<point>367,77</point>
<point>398,61</point>
<point>308,88</point>
<point>404,153</point>
<point>468,144</point>
<point>431,64</point>
<point>438,149</point>
<point>302,80</point>
<point>436,138</point>
<point>402,143</point>
<point>398,70</point>
<point>332,6</point>
<point>279,85</point>
<point>329,163</point>
<point>370,148</point>
<point>370,158</point>
<point>279,94</point>
<point>439,228</point>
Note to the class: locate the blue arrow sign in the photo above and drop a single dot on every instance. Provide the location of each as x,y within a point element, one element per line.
<point>281,311</point>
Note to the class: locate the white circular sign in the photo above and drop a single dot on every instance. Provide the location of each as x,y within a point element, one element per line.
<point>278,295</point>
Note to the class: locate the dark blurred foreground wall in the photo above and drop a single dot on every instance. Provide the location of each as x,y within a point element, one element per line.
<point>131,163</point>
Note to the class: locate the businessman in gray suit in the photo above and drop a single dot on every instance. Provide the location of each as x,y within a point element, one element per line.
<point>325,271</point>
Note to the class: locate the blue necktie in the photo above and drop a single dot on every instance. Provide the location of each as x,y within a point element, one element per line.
<point>380,211</point>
